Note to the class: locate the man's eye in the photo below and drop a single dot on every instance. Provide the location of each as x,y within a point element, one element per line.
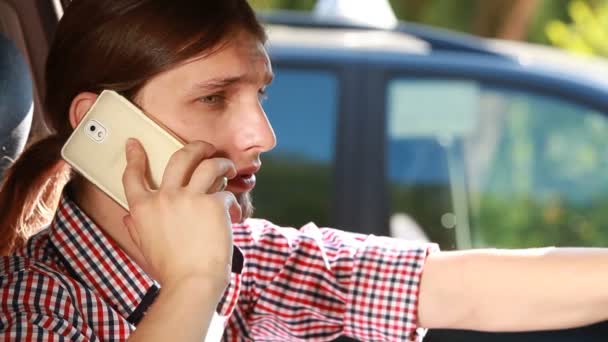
<point>211,99</point>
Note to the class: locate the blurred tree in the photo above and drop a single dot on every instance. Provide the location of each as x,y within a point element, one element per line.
<point>283,4</point>
<point>587,34</point>
<point>506,19</point>
<point>509,19</point>
<point>547,10</point>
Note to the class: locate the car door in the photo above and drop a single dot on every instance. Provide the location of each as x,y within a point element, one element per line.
<point>479,152</point>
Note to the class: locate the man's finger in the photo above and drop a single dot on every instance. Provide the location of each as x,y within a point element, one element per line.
<point>134,177</point>
<point>209,175</point>
<point>183,162</point>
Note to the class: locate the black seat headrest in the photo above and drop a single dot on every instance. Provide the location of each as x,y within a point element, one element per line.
<point>16,102</point>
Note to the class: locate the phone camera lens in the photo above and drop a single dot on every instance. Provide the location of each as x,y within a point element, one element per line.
<point>92,128</point>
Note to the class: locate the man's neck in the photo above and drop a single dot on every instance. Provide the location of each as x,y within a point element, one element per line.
<point>107,215</point>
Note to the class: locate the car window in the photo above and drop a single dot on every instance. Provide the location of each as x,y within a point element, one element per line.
<point>484,166</point>
<point>302,107</point>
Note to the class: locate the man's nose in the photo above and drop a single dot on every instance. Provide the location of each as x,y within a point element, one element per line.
<point>258,132</point>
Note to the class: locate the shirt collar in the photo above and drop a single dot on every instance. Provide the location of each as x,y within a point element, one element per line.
<point>98,262</point>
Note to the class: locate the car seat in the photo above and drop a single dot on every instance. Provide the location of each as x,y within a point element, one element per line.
<point>16,103</point>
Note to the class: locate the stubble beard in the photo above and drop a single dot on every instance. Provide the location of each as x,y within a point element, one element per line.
<point>244,200</point>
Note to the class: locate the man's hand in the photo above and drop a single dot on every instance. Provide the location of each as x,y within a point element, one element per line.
<point>183,229</point>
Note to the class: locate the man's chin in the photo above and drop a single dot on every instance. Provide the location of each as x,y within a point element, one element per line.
<point>244,199</point>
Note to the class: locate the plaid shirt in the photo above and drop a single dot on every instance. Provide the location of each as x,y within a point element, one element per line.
<point>71,281</point>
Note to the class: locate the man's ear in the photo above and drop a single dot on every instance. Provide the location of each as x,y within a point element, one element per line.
<point>80,106</point>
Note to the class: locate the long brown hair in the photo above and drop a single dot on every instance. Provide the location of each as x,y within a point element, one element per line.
<point>107,44</point>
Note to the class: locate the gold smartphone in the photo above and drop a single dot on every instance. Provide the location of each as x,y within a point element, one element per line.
<point>96,148</point>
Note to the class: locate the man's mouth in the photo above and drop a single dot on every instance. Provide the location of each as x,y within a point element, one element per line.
<point>244,181</point>
<point>241,183</point>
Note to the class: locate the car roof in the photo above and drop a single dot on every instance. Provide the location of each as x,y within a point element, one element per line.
<point>435,38</point>
<point>302,30</point>
<point>346,38</point>
<point>553,59</point>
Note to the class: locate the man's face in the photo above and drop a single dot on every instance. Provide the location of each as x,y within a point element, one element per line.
<point>216,99</point>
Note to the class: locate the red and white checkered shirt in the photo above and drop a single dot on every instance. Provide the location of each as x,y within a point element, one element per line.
<point>71,281</point>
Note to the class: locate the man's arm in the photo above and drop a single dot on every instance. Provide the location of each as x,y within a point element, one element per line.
<point>182,312</point>
<point>514,290</point>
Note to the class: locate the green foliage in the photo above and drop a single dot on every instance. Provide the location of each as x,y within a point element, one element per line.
<point>531,222</point>
<point>547,11</point>
<point>282,4</point>
<point>455,15</point>
<point>449,14</point>
<point>587,34</point>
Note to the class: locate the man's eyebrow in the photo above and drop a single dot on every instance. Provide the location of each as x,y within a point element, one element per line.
<point>223,82</point>
<point>220,82</point>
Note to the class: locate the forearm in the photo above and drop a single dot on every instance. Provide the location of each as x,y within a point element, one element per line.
<point>501,290</point>
<point>181,312</point>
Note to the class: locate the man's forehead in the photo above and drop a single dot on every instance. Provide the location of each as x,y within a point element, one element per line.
<point>245,64</point>
<point>241,47</point>
<point>235,62</point>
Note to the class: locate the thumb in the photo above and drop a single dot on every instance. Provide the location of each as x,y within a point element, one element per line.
<point>134,176</point>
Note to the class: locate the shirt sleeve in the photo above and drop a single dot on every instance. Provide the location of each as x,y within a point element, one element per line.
<point>320,283</point>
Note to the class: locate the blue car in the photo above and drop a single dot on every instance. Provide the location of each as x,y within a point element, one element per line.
<point>421,133</point>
